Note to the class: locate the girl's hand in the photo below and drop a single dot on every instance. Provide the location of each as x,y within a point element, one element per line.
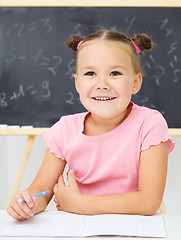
<point>25,210</point>
<point>68,198</point>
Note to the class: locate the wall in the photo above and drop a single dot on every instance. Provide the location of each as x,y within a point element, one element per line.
<point>10,154</point>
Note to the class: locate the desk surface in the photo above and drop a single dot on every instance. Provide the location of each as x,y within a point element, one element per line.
<point>172,223</point>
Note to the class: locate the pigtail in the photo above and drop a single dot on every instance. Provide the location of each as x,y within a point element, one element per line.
<point>143,41</point>
<point>73,42</point>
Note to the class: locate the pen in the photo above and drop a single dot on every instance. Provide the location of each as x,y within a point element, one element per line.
<point>34,195</point>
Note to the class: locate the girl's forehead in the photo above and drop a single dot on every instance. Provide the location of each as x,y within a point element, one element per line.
<point>104,43</point>
<point>103,49</point>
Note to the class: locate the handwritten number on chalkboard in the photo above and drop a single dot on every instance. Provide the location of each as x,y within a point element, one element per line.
<point>173,47</point>
<point>36,57</point>
<point>176,71</point>
<point>129,21</point>
<point>15,95</point>
<point>11,56</point>
<point>70,98</point>
<point>20,27</point>
<point>166,29</point>
<point>161,73</point>
<point>46,24</point>
<point>3,102</point>
<point>165,21</point>
<point>45,85</point>
<point>58,61</point>
<point>79,28</point>
<point>71,67</point>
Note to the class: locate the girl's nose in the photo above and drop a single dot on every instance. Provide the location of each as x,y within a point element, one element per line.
<point>102,87</point>
<point>102,84</point>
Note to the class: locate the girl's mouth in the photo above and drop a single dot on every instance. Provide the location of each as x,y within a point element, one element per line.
<point>103,98</point>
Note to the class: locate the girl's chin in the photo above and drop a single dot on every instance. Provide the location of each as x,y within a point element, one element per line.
<point>106,115</point>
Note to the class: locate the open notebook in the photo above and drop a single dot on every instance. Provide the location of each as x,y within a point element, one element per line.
<point>72,225</point>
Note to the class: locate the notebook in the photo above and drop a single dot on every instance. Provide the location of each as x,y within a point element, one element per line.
<point>73,225</point>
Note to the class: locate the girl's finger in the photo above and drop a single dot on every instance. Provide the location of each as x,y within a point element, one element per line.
<point>58,207</point>
<point>29,200</point>
<point>17,207</point>
<point>13,213</point>
<point>55,188</point>
<point>61,181</point>
<point>26,209</point>
<point>55,200</point>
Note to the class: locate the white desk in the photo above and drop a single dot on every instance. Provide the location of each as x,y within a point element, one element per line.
<point>172,222</point>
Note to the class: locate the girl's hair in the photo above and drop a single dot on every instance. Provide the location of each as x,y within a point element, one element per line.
<point>142,41</point>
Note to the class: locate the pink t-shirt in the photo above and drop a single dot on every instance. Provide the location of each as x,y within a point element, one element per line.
<point>107,163</point>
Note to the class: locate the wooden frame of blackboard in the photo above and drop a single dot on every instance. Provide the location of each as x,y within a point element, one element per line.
<point>91,3</point>
<point>31,133</point>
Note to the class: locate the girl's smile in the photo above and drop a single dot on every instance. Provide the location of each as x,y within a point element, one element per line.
<point>103,98</point>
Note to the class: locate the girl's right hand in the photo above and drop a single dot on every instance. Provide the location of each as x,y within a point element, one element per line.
<point>24,210</point>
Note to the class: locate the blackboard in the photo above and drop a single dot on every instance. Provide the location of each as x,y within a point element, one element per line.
<point>36,68</point>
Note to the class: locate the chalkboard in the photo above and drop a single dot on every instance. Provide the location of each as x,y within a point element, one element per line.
<point>36,68</point>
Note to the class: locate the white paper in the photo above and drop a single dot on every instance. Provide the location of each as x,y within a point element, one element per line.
<point>72,225</point>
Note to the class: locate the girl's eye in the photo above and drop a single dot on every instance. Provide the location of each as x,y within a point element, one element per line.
<point>90,74</point>
<point>115,73</point>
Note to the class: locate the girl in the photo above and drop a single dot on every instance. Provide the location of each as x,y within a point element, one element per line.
<point>117,151</point>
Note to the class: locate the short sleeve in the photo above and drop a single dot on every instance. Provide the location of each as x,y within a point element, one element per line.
<point>53,139</point>
<point>155,131</point>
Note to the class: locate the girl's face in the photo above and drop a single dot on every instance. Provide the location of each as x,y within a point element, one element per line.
<point>105,78</point>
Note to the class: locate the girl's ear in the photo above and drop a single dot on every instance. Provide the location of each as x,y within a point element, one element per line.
<point>76,82</point>
<point>137,83</point>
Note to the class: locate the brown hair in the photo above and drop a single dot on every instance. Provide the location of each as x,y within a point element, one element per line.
<point>143,41</point>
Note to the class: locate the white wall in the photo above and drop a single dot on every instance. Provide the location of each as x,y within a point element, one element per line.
<point>11,150</point>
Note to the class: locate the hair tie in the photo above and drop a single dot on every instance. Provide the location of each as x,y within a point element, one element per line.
<point>136,47</point>
<point>79,44</point>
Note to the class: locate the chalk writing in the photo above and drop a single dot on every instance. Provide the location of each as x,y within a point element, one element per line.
<point>129,21</point>
<point>173,47</point>
<point>160,73</point>
<point>45,85</point>
<point>52,62</point>
<point>70,98</point>
<point>165,28</point>
<point>11,56</point>
<point>32,89</point>
<point>58,61</point>
<point>22,29</point>
<point>19,94</point>
<point>71,68</point>
<point>3,102</point>
<point>23,91</point>
<point>47,25</point>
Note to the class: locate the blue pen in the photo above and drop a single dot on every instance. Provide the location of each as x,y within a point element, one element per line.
<point>35,195</point>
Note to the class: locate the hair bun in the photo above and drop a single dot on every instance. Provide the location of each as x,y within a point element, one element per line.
<point>73,41</point>
<point>143,41</point>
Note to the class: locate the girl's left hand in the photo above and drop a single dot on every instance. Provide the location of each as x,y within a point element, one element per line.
<point>68,198</point>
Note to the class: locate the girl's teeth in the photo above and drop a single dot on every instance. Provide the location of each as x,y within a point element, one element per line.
<point>103,98</point>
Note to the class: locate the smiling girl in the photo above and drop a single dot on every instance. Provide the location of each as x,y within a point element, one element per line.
<point>117,151</point>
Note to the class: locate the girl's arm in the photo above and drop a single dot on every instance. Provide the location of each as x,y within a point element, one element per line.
<point>145,201</point>
<point>47,176</point>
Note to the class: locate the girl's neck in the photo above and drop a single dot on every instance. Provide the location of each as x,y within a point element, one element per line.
<point>94,126</point>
